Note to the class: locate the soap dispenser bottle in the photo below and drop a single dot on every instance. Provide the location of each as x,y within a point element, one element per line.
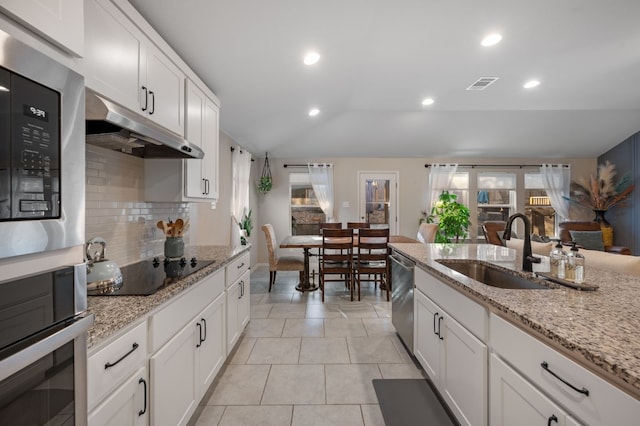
<point>558,260</point>
<point>575,266</point>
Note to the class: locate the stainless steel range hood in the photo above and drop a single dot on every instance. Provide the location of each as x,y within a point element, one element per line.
<point>111,126</point>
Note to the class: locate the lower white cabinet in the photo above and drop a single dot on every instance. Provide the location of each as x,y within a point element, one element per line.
<point>183,369</point>
<point>454,359</point>
<point>515,401</point>
<point>211,353</point>
<point>173,389</point>
<point>158,370</point>
<point>238,308</point>
<point>126,406</point>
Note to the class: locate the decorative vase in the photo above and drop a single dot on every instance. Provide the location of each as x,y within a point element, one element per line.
<point>605,226</point>
<point>173,247</point>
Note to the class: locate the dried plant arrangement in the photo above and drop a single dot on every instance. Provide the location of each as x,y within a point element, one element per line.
<point>601,192</point>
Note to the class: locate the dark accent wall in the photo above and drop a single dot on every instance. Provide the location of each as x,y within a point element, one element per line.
<point>626,219</point>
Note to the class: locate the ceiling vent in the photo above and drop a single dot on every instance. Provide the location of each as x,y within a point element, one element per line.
<point>482,83</point>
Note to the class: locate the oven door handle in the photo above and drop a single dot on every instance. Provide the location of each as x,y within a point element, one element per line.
<point>31,354</point>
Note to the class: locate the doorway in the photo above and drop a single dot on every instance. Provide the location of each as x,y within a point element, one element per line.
<point>377,199</point>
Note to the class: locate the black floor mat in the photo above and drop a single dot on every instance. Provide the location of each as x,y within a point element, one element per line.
<point>410,402</point>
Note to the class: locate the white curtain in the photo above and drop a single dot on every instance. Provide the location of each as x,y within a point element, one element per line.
<point>321,177</point>
<point>241,169</point>
<point>556,181</point>
<point>440,178</point>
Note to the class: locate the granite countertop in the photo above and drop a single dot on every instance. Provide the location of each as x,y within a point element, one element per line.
<point>598,329</point>
<point>115,313</point>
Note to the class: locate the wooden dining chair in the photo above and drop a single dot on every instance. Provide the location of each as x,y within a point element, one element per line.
<point>336,258</point>
<point>357,225</point>
<point>372,258</point>
<point>280,263</point>
<point>427,232</point>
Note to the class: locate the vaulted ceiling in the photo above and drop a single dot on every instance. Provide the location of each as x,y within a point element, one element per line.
<point>380,59</point>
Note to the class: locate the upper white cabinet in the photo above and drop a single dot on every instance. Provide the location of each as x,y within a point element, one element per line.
<point>59,21</point>
<point>201,176</point>
<point>193,180</point>
<point>122,64</point>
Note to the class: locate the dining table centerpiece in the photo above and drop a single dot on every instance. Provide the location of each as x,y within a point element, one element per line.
<point>600,193</point>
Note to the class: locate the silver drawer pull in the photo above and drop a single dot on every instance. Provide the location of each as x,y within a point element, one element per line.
<point>584,390</point>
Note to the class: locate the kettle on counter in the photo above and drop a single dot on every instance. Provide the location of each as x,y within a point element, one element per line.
<point>103,275</point>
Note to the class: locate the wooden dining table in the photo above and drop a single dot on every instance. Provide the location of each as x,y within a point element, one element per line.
<point>309,242</point>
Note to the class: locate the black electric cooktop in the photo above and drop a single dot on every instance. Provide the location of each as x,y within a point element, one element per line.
<point>148,276</point>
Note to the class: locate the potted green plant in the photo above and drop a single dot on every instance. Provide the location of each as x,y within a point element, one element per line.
<point>452,218</point>
<point>264,184</point>
<point>246,226</point>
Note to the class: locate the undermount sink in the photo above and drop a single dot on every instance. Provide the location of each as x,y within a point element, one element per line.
<point>491,275</point>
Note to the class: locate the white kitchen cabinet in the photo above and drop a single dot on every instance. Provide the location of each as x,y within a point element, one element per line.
<point>109,366</point>
<point>584,396</point>
<point>59,21</point>
<point>514,401</point>
<point>238,298</point>
<point>238,307</point>
<point>184,368</point>
<point>126,406</point>
<point>173,384</point>
<point>426,340</point>
<point>454,359</point>
<point>193,180</point>
<point>211,353</point>
<point>122,64</point>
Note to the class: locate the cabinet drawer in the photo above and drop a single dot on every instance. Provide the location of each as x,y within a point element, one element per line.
<point>236,268</point>
<point>167,322</point>
<point>467,312</point>
<point>123,356</point>
<point>605,404</point>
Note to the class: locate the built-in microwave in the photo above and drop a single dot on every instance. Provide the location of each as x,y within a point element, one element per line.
<point>42,151</point>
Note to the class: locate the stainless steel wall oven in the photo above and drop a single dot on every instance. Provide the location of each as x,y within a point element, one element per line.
<point>43,348</point>
<point>42,152</point>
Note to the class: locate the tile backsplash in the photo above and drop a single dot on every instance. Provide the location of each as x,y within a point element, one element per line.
<point>116,210</point>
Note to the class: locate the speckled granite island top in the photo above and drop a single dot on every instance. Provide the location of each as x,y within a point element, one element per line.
<point>598,329</point>
<point>114,313</point>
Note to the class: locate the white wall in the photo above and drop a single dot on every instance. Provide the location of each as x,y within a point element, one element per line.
<point>213,226</point>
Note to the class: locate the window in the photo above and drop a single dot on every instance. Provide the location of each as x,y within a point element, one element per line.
<point>306,214</point>
<point>496,197</point>
<point>537,206</point>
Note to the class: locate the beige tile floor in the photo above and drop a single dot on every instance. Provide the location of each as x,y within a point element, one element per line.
<point>301,362</point>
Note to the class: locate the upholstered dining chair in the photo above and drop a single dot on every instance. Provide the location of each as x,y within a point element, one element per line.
<point>280,263</point>
<point>427,232</point>
<point>372,258</point>
<point>336,258</point>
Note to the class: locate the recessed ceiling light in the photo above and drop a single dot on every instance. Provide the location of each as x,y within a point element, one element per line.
<point>531,84</point>
<point>491,39</point>
<point>313,112</point>
<point>3,89</point>
<point>311,58</point>
<point>427,102</point>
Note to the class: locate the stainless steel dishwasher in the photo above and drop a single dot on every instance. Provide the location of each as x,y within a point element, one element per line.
<point>402,285</point>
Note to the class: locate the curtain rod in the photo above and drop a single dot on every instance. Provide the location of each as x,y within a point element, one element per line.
<point>520,166</point>
<point>306,165</point>
<point>233,149</point>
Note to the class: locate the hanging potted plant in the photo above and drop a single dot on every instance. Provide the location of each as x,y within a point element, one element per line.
<point>265,183</point>
<point>452,218</point>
